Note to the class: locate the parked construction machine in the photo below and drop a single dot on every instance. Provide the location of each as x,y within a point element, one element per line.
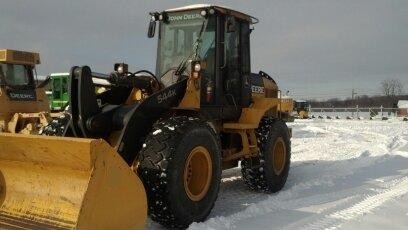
<point>152,143</point>
<point>301,108</point>
<point>23,104</point>
<point>285,108</point>
<point>57,91</point>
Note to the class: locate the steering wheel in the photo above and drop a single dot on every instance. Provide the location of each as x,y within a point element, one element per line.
<point>155,84</point>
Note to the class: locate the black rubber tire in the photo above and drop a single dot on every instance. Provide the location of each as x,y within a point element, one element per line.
<point>258,172</point>
<point>161,167</point>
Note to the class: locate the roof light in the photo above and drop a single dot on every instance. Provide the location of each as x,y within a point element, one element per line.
<point>120,70</point>
<point>197,67</point>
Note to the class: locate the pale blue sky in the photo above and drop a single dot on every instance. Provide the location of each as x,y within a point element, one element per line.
<point>315,49</point>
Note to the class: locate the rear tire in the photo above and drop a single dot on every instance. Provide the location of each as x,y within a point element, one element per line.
<point>180,166</point>
<point>269,170</point>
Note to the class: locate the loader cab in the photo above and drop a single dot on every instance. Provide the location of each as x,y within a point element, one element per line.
<point>218,39</point>
<point>57,92</point>
<point>301,105</point>
<point>17,68</point>
<point>16,75</point>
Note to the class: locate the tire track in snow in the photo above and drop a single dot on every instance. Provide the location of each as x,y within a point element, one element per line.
<point>335,219</point>
<point>285,200</point>
<point>236,202</point>
<point>309,174</point>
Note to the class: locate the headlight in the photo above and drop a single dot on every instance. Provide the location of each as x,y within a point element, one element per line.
<point>197,67</point>
<point>120,69</point>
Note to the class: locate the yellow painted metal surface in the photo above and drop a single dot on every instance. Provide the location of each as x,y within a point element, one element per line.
<point>197,173</point>
<point>19,57</point>
<point>248,142</point>
<point>279,156</point>
<point>258,109</point>
<point>66,183</point>
<point>29,111</point>
<point>10,107</point>
<point>286,105</point>
<point>303,114</point>
<point>266,103</point>
<point>191,99</point>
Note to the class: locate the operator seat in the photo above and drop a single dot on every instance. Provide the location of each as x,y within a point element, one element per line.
<point>168,79</point>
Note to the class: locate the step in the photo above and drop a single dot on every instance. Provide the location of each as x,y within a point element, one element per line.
<point>239,126</point>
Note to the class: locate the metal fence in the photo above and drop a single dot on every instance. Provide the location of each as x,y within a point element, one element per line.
<point>354,112</point>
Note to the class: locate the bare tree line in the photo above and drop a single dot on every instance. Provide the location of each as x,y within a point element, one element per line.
<point>391,87</point>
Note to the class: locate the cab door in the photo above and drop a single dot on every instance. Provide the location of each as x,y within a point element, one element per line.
<point>232,71</point>
<point>233,66</point>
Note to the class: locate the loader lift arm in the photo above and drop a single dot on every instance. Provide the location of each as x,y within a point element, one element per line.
<point>133,121</point>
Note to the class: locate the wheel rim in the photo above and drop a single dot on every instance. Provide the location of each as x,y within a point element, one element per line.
<point>279,156</point>
<point>197,173</point>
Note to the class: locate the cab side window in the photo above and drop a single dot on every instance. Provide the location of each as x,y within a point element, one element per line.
<point>232,71</point>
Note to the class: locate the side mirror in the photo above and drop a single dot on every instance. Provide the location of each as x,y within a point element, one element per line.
<point>152,29</point>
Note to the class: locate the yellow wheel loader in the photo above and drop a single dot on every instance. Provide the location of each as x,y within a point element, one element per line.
<point>23,104</point>
<point>201,112</point>
<point>302,109</point>
<point>286,109</point>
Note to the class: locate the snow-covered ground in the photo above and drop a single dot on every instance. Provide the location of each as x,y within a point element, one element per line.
<point>345,174</point>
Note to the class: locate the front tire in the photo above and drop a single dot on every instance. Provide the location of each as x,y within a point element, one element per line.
<point>180,166</point>
<point>269,170</point>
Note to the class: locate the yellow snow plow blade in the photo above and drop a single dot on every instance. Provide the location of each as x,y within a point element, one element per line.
<point>66,183</point>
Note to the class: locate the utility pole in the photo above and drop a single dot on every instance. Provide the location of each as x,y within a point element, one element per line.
<point>353,93</point>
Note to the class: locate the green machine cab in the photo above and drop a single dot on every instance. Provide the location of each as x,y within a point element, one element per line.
<point>57,91</point>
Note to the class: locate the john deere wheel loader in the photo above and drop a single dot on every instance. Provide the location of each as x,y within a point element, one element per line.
<point>202,112</point>
<point>23,104</point>
<point>302,109</point>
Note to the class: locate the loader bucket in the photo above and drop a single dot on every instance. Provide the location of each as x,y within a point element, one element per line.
<point>66,183</point>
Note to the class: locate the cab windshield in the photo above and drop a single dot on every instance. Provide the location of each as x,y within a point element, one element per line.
<point>14,74</point>
<point>178,39</point>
